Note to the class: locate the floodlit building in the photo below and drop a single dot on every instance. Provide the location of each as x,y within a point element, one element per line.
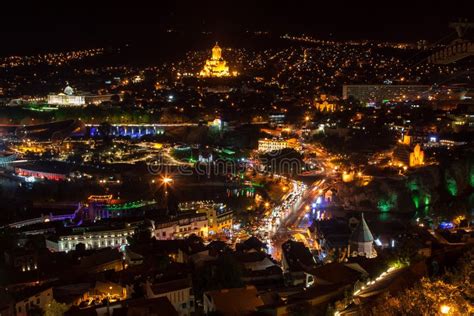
<point>182,226</point>
<point>92,237</point>
<point>404,157</point>
<point>216,66</point>
<point>69,97</point>
<point>322,105</point>
<point>219,217</point>
<point>265,145</point>
<point>417,157</point>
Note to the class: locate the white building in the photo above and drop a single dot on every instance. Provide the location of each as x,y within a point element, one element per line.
<point>361,242</point>
<point>178,292</point>
<point>265,145</point>
<point>182,227</point>
<point>41,299</point>
<point>92,239</point>
<point>70,98</point>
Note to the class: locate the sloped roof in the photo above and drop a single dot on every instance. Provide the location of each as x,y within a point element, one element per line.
<point>238,301</point>
<point>171,286</point>
<point>362,232</point>
<point>336,273</point>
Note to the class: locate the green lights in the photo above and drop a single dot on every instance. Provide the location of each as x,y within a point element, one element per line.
<point>386,205</point>
<point>471,176</point>
<point>127,206</point>
<point>451,185</point>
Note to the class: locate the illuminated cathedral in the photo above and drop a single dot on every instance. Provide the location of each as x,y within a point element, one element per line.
<point>216,66</point>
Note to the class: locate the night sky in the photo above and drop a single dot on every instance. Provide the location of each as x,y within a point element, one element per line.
<point>29,26</point>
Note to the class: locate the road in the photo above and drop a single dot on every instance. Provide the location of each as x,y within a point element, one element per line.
<point>296,220</point>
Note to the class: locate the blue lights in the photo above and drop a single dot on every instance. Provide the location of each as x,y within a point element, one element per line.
<point>446,225</point>
<point>134,131</point>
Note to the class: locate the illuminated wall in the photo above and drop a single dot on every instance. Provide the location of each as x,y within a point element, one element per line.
<point>417,157</point>
<point>66,100</point>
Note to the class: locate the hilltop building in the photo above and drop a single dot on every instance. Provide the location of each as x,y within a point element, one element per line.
<point>69,97</point>
<point>216,66</point>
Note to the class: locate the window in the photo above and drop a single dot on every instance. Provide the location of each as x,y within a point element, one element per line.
<point>19,309</point>
<point>38,301</point>
<point>183,305</point>
<point>164,234</point>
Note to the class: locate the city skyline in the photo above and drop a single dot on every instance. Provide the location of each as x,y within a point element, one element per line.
<point>237,158</point>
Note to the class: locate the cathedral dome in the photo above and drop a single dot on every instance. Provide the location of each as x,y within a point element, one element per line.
<point>68,90</point>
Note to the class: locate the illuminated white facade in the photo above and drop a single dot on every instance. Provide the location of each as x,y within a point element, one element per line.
<point>91,239</point>
<point>182,227</point>
<point>265,145</point>
<point>67,100</point>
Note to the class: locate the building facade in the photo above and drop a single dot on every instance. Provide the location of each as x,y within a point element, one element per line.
<point>179,293</point>
<point>69,98</point>
<point>92,239</point>
<point>216,66</point>
<point>266,145</point>
<point>361,242</point>
<point>40,299</point>
<point>183,226</point>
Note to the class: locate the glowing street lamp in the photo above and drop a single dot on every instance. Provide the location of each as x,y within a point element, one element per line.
<point>445,309</point>
<point>167,180</point>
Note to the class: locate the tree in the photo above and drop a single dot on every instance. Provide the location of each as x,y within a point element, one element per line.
<point>454,292</point>
<point>55,309</point>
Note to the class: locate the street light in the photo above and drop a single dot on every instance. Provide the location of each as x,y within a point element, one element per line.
<point>445,309</point>
<point>167,180</point>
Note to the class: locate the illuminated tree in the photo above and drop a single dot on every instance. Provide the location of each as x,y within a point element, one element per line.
<point>453,294</point>
<point>55,309</point>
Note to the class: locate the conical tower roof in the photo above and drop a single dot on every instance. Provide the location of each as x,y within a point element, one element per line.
<point>362,232</point>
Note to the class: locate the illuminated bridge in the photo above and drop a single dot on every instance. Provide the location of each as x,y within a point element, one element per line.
<point>135,130</point>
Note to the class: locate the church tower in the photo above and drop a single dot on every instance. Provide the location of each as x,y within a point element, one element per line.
<point>361,242</point>
<point>216,52</point>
